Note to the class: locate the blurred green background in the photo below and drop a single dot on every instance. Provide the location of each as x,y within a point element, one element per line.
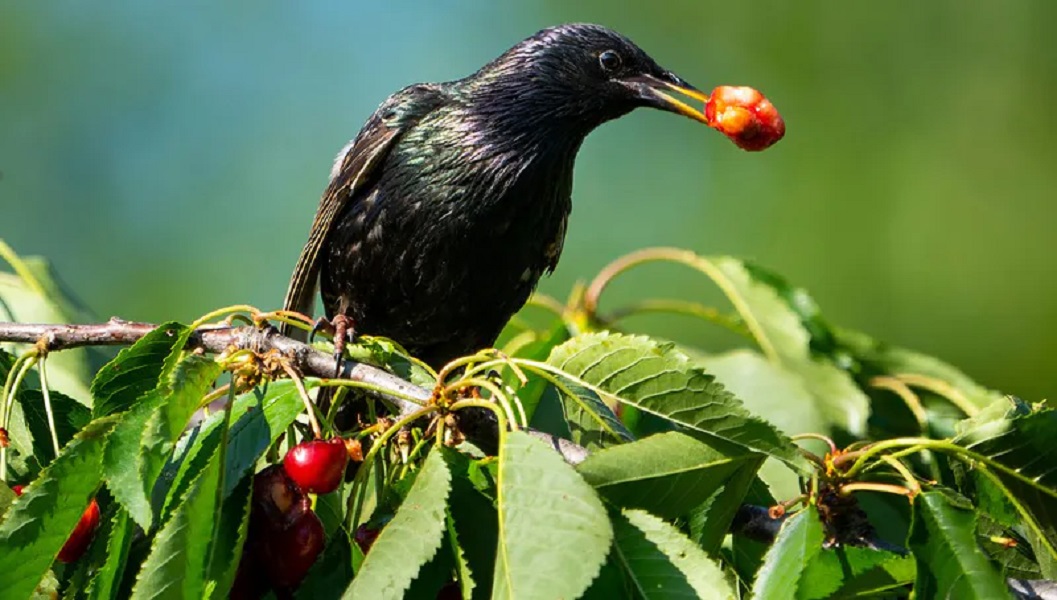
<point>169,159</point>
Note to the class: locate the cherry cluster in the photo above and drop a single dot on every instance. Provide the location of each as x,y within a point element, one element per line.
<point>285,535</point>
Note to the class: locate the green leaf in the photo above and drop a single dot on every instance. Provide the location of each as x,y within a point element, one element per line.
<point>38,523</point>
<point>229,538</point>
<point>592,424</point>
<point>710,521</point>
<point>878,358</point>
<point>70,417</point>
<point>107,579</point>
<point>144,439</point>
<point>659,380</point>
<point>34,294</point>
<point>662,562</point>
<point>554,533</point>
<point>474,520</point>
<point>949,562</point>
<point>176,566</point>
<point>855,571</point>
<point>785,322</point>
<point>798,542</point>
<point>408,541</point>
<point>667,474</point>
<point>258,418</point>
<point>136,369</point>
<point>331,573</point>
<point>1020,439</point>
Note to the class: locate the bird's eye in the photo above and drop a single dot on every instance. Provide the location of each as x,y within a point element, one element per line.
<point>609,60</point>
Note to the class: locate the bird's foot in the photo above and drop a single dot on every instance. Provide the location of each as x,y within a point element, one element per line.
<point>343,331</point>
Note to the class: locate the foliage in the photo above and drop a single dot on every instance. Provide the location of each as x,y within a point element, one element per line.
<point>939,487</point>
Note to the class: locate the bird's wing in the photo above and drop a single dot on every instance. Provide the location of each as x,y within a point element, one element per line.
<point>351,175</point>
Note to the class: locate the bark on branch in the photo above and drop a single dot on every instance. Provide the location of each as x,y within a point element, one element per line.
<point>218,339</point>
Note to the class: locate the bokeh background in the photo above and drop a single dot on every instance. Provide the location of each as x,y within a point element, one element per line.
<point>168,159</point>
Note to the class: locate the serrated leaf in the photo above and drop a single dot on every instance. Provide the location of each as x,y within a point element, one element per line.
<point>554,532</point>
<point>70,417</point>
<point>176,565</point>
<point>1021,440</point>
<point>107,578</point>
<point>38,523</point>
<point>659,380</point>
<point>258,418</point>
<point>229,538</point>
<point>783,319</point>
<point>709,521</point>
<point>144,439</point>
<point>410,539</point>
<point>667,474</point>
<point>855,571</point>
<point>949,562</point>
<point>798,542</point>
<point>592,424</point>
<point>662,562</point>
<point>136,369</point>
<point>474,520</point>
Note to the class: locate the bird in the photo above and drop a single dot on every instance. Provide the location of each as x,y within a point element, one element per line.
<point>443,213</point>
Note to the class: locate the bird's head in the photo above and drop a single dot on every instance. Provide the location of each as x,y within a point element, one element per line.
<point>580,75</point>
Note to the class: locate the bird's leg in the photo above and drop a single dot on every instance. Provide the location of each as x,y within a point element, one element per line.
<point>343,331</point>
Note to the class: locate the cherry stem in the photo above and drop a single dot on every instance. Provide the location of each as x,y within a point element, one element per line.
<point>817,436</point>
<point>46,394</point>
<point>309,406</point>
<point>869,486</point>
<point>692,260</point>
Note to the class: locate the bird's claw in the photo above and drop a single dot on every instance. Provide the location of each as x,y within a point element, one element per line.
<point>341,328</point>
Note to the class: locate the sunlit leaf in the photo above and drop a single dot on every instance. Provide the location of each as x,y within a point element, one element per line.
<point>410,539</point>
<point>798,542</point>
<point>949,562</point>
<point>659,380</point>
<point>36,526</point>
<point>662,562</point>
<point>554,533</point>
<point>667,474</point>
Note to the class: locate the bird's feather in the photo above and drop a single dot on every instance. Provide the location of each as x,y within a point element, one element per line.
<point>353,174</point>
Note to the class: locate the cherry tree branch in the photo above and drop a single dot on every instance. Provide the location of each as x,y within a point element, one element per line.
<point>217,339</point>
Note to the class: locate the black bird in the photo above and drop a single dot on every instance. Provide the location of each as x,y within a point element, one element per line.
<point>443,213</point>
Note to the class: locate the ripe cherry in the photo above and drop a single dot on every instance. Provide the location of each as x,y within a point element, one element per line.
<point>274,493</point>
<point>317,466</point>
<point>365,537</point>
<point>745,116</point>
<point>288,550</point>
<point>82,534</point>
<point>81,537</point>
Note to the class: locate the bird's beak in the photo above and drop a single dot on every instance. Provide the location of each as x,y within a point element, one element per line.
<point>657,91</point>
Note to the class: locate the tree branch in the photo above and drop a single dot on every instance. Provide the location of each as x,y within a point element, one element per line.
<point>218,339</point>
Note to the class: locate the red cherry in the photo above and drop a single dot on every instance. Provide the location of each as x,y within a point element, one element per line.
<point>288,552</point>
<point>365,537</point>
<point>274,493</point>
<point>78,541</point>
<point>317,466</point>
<point>17,489</point>
<point>745,116</point>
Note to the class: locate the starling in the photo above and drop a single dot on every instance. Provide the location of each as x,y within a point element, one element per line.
<point>443,213</point>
